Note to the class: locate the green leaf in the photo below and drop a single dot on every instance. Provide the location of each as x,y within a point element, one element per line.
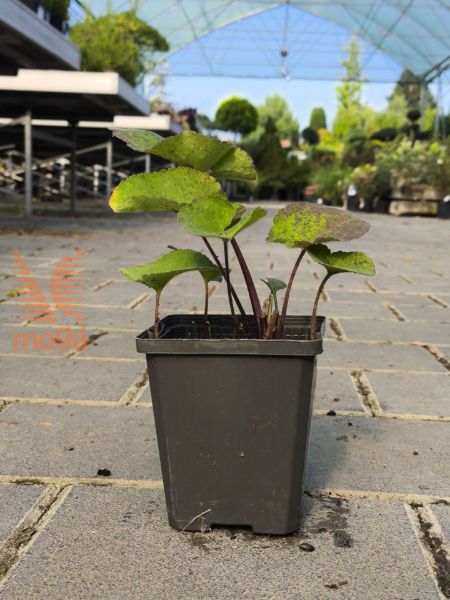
<point>245,221</point>
<point>274,285</point>
<point>208,217</point>
<point>169,189</point>
<point>192,149</point>
<point>236,164</point>
<point>216,217</point>
<point>157,274</point>
<point>302,224</point>
<point>342,262</point>
<point>138,139</point>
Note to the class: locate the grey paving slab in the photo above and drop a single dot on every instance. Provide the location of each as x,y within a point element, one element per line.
<point>433,313</point>
<point>119,345</point>
<point>357,310</point>
<point>442,515</point>
<point>66,379</point>
<point>105,544</point>
<point>15,502</point>
<point>377,454</point>
<point>412,394</point>
<point>377,356</point>
<point>36,439</point>
<point>397,331</point>
<point>371,298</point>
<point>102,317</point>
<point>335,391</point>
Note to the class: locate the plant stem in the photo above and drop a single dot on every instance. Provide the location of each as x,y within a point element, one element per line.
<point>228,280</point>
<point>271,325</point>
<point>222,271</point>
<point>205,312</point>
<point>256,306</point>
<point>155,326</point>
<point>280,332</point>
<point>316,302</point>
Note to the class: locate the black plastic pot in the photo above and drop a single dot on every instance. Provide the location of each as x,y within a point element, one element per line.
<point>444,209</point>
<point>381,205</point>
<point>232,420</point>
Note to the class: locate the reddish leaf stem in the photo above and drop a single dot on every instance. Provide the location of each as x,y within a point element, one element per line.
<point>228,280</point>
<point>254,300</point>
<point>223,273</point>
<point>280,332</point>
<point>316,303</point>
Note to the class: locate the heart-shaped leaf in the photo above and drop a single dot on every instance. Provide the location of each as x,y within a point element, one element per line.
<point>274,285</point>
<point>302,224</point>
<point>138,139</point>
<point>169,189</point>
<point>157,274</point>
<point>342,262</point>
<point>216,217</point>
<point>192,149</point>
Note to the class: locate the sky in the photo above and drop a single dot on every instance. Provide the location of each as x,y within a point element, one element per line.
<point>205,93</point>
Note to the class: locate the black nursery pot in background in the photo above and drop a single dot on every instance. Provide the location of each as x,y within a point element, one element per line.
<point>232,420</point>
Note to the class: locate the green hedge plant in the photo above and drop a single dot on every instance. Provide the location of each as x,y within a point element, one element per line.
<point>192,191</point>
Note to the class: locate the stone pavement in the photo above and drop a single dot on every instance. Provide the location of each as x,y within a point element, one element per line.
<point>377,502</point>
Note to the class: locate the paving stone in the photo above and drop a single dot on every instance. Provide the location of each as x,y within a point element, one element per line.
<point>412,394</point>
<point>66,378</point>
<point>377,454</point>
<point>120,439</point>
<point>15,501</point>
<point>377,356</point>
<point>335,391</point>
<point>397,331</point>
<point>371,298</point>
<point>356,310</point>
<point>121,345</point>
<point>105,544</point>
<point>442,514</point>
<point>434,314</point>
<point>104,317</point>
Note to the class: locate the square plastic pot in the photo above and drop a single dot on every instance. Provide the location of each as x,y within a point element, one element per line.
<point>232,420</point>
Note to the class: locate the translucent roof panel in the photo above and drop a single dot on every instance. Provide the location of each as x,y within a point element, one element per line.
<point>298,38</point>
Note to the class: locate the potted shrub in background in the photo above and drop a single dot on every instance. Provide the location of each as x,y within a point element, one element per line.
<point>231,393</point>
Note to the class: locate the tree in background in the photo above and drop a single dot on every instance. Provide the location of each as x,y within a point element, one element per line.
<point>318,119</point>
<point>408,87</point>
<point>351,115</point>
<point>119,42</point>
<point>277,109</point>
<point>310,136</point>
<point>270,161</point>
<point>237,115</point>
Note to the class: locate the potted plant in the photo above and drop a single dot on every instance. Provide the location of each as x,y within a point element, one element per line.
<point>231,393</point>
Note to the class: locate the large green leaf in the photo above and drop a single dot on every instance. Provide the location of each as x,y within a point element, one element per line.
<point>192,149</point>
<point>157,274</point>
<point>342,262</point>
<point>216,217</point>
<point>169,189</point>
<point>302,224</point>
<point>138,139</point>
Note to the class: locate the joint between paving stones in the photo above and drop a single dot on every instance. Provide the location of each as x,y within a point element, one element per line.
<point>135,391</point>
<point>139,300</point>
<point>437,300</point>
<point>337,329</point>
<point>395,311</point>
<point>90,340</point>
<point>445,362</point>
<point>431,539</point>
<point>29,528</point>
<point>366,393</point>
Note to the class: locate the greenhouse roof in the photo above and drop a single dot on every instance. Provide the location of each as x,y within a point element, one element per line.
<point>298,38</point>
